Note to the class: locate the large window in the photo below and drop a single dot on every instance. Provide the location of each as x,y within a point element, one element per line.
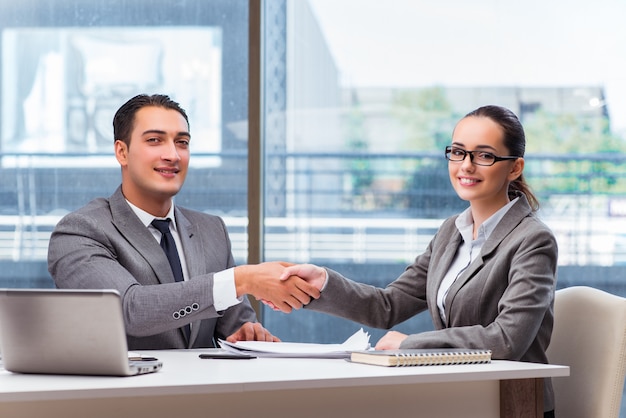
<point>67,65</point>
<point>358,111</point>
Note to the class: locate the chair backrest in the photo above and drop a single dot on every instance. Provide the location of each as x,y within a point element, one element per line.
<point>589,336</point>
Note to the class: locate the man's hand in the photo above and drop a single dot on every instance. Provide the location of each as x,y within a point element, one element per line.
<point>252,331</point>
<point>262,281</point>
<point>313,274</point>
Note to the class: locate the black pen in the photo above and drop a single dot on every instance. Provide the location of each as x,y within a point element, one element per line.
<point>226,356</point>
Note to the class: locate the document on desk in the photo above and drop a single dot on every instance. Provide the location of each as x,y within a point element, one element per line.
<point>359,341</point>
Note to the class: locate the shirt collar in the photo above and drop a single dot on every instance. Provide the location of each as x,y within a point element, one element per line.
<point>464,222</point>
<point>147,218</point>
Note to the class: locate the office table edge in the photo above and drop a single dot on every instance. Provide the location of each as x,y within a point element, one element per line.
<point>88,387</point>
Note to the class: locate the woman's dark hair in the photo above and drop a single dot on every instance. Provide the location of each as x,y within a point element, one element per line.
<point>125,116</point>
<point>514,140</point>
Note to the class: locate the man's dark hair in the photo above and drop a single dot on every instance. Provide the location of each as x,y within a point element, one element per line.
<point>125,116</point>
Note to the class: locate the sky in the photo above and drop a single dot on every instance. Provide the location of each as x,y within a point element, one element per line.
<point>405,43</point>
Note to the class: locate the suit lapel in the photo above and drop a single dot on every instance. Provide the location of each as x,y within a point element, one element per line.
<point>514,216</point>
<point>139,237</point>
<point>444,260</point>
<point>189,236</point>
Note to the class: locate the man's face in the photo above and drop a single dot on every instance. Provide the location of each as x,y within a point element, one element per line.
<point>155,164</point>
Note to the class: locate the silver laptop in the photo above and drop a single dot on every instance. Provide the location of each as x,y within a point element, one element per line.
<point>53,331</point>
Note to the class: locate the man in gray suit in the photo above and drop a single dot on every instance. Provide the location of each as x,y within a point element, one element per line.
<point>114,244</point>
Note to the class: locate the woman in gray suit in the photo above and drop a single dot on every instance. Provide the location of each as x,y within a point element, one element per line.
<point>488,275</point>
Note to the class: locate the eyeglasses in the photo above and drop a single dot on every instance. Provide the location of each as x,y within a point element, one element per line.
<point>483,158</point>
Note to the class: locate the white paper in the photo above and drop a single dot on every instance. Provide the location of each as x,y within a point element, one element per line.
<point>359,341</point>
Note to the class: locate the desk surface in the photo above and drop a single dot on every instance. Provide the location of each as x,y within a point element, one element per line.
<point>184,373</point>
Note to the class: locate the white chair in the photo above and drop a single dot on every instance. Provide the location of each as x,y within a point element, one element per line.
<point>589,336</point>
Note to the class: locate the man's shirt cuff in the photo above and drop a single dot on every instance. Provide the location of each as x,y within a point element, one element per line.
<point>224,292</point>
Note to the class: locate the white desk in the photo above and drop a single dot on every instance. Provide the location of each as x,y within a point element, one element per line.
<point>190,387</point>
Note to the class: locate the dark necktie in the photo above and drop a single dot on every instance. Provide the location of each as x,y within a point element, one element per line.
<point>169,246</point>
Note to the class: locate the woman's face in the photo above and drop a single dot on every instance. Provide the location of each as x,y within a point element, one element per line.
<point>485,185</point>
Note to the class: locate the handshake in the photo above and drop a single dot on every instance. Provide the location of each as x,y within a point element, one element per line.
<point>280,285</point>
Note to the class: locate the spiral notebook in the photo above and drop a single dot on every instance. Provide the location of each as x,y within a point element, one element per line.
<point>422,357</point>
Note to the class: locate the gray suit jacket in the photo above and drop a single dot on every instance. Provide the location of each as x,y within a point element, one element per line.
<point>503,301</point>
<point>104,245</point>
